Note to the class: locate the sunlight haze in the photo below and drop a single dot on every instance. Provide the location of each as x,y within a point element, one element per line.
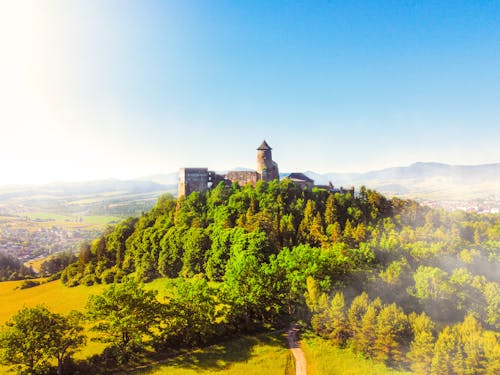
<point>123,89</point>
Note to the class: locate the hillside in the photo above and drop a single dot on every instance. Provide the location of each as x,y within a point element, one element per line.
<point>388,279</point>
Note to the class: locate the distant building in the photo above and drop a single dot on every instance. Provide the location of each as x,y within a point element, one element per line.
<point>201,179</point>
<point>301,180</point>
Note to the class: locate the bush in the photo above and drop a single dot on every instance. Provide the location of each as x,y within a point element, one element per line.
<point>28,284</point>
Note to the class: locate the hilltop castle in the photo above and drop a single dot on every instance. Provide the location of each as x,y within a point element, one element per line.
<point>201,179</point>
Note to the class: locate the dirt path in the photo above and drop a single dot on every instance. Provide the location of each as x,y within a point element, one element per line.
<point>298,354</point>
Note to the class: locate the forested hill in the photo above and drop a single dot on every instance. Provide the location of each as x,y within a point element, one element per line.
<point>398,282</point>
<point>202,232</point>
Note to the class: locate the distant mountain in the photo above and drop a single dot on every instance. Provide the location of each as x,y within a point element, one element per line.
<point>425,180</point>
<point>165,179</point>
<point>418,180</point>
<point>84,188</point>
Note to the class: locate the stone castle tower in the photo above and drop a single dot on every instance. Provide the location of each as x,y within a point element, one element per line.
<point>266,167</point>
<point>201,179</point>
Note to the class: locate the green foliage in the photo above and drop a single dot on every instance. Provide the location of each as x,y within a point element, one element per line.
<point>124,315</point>
<point>35,335</point>
<point>248,257</point>
<point>28,284</point>
<point>13,269</point>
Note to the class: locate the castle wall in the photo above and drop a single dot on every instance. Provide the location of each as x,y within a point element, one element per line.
<point>192,179</point>
<point>243,177</point>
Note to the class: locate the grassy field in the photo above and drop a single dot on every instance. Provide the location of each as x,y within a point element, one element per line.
<point>54,295</point>
<point>325,359</point>
<point>57,297</point>
<point>249,355</point>
<point>261,354</point>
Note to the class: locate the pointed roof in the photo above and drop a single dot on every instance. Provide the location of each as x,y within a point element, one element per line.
<point>264,146</point>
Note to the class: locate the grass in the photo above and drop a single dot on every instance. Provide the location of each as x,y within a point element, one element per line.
<point>324,359</point>
<point>54,295</point>
<point>249,355</point>
<point>57,297</point>
<point>260,354</point>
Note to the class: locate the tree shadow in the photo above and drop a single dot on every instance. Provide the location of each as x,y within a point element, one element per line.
<point>222,355</point>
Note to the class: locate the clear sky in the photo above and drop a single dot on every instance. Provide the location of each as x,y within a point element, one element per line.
<point>97,89</point>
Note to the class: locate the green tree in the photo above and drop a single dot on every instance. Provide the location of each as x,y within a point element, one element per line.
<point>124,316</point>
<point>470,334</point>
<point>364,341</point>
<point>422,345</point>
<point>35,335</point>
<point>446,358</point>
<point>68,338</point>
<point>357,310</point>
<point>390,334</point>
<point>336,323</point>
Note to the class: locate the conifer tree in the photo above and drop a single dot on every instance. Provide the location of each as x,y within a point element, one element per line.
<point>337,322</point>
<point>391,330</point>
<point>355,314</point>
<point>422,346</point>
<point>446,359</point>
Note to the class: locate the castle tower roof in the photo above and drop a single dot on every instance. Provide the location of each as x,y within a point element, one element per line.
<point>264,146</point>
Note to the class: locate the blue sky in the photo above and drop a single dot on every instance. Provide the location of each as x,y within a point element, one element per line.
<point>97,89</point>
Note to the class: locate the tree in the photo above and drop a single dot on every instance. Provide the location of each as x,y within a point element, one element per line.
<point>68,338</point>
<point>243,288</point>
<point>446,359</point>
<point>192,312</point>
<point>355,314</point>
<point>364,340</point>
<point>470,335</point>
<point>422,346</point>
<point>337,322</point>
<point>35,335</point>
<point>124,315</point>
<point>390,333</point>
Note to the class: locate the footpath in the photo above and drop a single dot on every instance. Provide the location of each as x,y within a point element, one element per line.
<point>298,354</point>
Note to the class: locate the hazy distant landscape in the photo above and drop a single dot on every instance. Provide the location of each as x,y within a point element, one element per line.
<point>38,220</point>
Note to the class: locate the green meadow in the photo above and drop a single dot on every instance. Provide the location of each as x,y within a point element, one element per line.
<point>324,359</point>
<point>249,355</point>
<point>261,354</point>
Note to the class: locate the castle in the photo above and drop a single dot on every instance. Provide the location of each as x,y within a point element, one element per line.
<point>201,179</point>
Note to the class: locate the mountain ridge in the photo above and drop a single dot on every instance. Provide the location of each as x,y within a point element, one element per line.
<point>419,178</point>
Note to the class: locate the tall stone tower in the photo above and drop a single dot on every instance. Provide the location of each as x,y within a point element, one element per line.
<point>266,167</point>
